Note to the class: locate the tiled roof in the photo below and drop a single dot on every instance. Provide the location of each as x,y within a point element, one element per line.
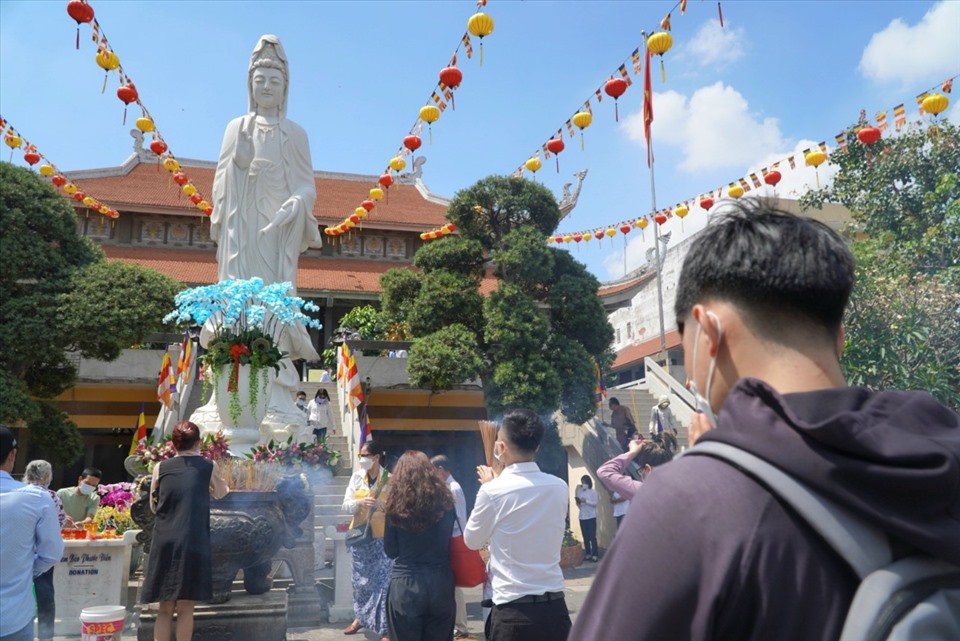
<point>606,290</point>
<point>635,353</point>
<point>143,187</point>
<point>335,275</point>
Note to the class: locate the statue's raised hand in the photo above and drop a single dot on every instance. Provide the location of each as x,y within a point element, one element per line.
<point>243,155</point>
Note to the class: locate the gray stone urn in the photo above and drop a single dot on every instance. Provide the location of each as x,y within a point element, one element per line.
<point>247,528</point>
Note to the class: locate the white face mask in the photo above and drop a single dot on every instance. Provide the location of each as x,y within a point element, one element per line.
<point>86,489</point>
<point>703,404</point>
<point>366,463</point>
<point>496,454</point>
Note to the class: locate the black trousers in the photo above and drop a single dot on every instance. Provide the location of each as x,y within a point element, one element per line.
<point>543,621</point>
<point>421,606</point>
<point>46,607</point>
<point>588,527</point>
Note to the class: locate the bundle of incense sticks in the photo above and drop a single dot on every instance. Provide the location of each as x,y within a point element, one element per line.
<point>244,474</point>
<point>488,433</point>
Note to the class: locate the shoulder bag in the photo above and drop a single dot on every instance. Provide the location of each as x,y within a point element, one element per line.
<point>469,570</point>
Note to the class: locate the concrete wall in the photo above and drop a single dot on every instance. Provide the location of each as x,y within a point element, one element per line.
<point>133,366</point>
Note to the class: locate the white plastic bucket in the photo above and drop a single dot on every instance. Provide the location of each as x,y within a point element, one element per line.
<point>102,623</point>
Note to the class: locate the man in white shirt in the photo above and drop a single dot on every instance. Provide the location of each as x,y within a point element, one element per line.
<point>521,513</point>
<point>442,465</point>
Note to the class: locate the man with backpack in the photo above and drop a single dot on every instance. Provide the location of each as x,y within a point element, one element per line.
<point>713,549</point>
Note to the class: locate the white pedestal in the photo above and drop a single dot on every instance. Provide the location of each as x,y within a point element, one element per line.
<point>342,607</point>
<point>91,572</point>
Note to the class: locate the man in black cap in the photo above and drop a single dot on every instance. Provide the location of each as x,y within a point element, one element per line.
<point>30,532</point>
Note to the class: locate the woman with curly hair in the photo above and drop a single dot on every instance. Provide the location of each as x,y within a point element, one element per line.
<point>420,517</point>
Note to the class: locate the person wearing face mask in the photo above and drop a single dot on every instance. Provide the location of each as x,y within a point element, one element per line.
<point>662,418</point>
<point>81,501</point>
<point>320,414</point>
<point>371,566</point>
<point>615,473</point>
<point>521,512</point>
<point>760,303</point>
<point>586,498</point>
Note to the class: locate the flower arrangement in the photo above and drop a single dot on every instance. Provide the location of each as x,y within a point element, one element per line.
<point>295,455</point>
<point>248,319</point>
<point>212,446</point>
<point>265,465</point>
<point>117,495</point>
<point>114,519</point>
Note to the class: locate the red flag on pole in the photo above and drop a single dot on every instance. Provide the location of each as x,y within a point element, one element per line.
<point>647,106</point>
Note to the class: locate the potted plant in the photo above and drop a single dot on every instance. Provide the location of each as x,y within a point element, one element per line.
<point>571,552</point>
<point>247,320</point>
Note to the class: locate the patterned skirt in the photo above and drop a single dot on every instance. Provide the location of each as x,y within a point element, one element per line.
<point>371,578</point>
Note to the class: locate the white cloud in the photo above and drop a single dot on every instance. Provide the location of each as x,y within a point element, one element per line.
<point>798,181</point>
<point>910,54</point>
<point>714,44</point>
<point>714,128</point>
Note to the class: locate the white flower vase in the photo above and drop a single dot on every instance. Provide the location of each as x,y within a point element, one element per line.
<point>243,431</point>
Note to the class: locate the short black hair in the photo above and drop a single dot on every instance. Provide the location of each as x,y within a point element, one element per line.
<point>524,429</point>
<point>91,471</point>
<point>614,400</point>
<point>441,461</point>
<point>770,263</point>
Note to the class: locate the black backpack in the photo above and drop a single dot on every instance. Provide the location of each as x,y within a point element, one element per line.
<point>916,598</point>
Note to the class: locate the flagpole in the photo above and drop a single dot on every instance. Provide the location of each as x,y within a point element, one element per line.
<point>656,226</point>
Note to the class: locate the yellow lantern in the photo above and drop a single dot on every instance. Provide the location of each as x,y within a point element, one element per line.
<point>170,164</point>
<point>145,124</point>
<point>611,232</point>
<point>549,240</point>
<point>189,189</point>
<point>429,114</point>
<point>659,44</point>
<point>587,235</point>
<point>348,223</point>
<point>70,188</point>
<point>734,190</point>
<point>376,193</point>
<point>681,212</point>
<point>361,212</point>
<point>88,201</point>
<point>582,120</point>
<point>567,238</point>
<point>46,170</point>
<point>107,60</point>
<point>12,140</point>
<point>935,103</point>
<point>480,25</point>
<point>397,163</point>
<point>202,205</point>
<point>104,210</point>
<point>815,158</point>
<point>534,165</point>
<point>642,223</point>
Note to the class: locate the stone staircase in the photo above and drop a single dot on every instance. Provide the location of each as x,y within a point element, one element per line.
<point>328,500</point>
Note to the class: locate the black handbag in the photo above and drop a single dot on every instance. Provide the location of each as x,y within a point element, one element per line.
<point>359,536</point>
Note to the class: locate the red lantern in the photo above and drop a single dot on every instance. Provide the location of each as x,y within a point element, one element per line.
<point>196,198</point>
<point>127,93</point>
<point>660,217</point>
<point>577,238</point>
<point>158,146</point>
<point>772,177</point>
<point>624,228</point>
<point>706,203</point>
<point>368,205</point>
<point>555,146</point>
<point>81,12</point>
<point>558,239</point>
<point>79,196</point>
<point>59,180</point>
<point>412,142</point>
<point>615,88</point>
<point>208,211</point>
<point>451,77</point>
<point>451,227</point>
<point>180,178</point>
<point>868,135</point>
<point>386,180</point>
<point>31,157</point>
<point>354,219</point>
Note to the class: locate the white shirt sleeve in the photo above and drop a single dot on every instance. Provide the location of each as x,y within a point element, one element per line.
<point>479,526</point>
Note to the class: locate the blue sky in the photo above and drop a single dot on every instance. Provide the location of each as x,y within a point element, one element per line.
<point>778,76</point>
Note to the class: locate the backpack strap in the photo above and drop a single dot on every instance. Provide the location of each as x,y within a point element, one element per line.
<point>863,547</point>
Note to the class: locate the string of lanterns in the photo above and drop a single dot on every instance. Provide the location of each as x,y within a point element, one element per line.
<point>479,25</point>
<point>108,60</point>
<point>31,155</point>
<point>930,102</point>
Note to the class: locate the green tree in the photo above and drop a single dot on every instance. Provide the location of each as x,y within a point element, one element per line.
<point>538,332</point>
<point>57,295</point>
<point>903,324</point>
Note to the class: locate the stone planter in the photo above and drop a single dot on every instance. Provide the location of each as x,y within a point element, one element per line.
<point>246,531</point>
<point>571,556</point>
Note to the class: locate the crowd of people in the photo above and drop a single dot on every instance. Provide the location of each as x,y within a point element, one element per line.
<point>760,302</point>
